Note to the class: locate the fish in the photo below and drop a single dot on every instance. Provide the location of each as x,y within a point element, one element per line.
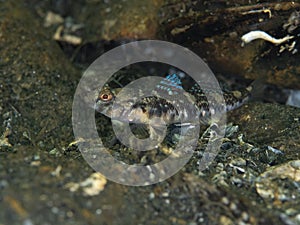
<point>171,112</point>
<point>181,107</point>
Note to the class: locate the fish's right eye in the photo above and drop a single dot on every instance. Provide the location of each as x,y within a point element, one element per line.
<point>105,97</point>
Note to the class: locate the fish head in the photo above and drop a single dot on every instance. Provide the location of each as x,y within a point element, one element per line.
<point>104,101</point>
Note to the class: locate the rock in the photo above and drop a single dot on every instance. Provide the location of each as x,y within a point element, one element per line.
<point>270,124</point>
<point>215,35</point>
<point>37,80</point>
<point>280,185</point>
<point>118,20</point>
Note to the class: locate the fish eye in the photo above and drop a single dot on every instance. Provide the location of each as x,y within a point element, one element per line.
<point>105,97</point>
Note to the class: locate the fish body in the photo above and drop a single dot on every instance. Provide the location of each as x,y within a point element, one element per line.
<point>197,102</point>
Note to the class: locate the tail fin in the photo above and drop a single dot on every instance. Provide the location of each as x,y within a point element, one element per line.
<point>253,92</point>
<point>256,89</point>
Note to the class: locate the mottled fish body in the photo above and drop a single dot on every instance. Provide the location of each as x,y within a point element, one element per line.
<point>175,109</point>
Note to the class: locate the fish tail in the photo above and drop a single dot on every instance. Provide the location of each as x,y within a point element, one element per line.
<point>256,89</point>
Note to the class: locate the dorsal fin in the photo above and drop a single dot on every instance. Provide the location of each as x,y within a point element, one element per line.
<point>171,84</point>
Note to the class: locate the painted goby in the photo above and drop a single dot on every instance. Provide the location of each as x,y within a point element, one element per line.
<point>180,107</point>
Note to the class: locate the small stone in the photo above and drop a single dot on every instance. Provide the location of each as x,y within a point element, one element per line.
<point>151,196</point>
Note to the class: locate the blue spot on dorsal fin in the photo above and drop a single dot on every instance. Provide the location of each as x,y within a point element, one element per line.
<point>171,83</point>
